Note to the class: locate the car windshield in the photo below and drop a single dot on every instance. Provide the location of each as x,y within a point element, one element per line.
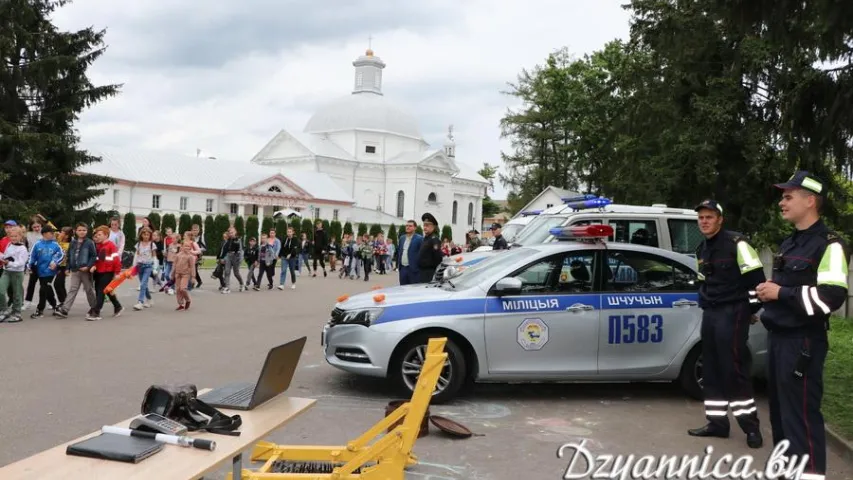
<point>495,262</point>
<point>538,230</point>
<point>510,231</point>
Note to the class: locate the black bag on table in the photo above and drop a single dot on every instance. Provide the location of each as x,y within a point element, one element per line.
<point>180,403</point>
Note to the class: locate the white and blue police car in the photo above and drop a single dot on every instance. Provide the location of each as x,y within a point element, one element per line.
<point>657,225</point>
<point>581,310</point>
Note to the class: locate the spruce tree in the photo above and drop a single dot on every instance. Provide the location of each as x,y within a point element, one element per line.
<point>43,89</point>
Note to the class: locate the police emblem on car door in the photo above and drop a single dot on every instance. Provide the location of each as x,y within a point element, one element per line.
<point>649,309</point>
<point>550,327</point>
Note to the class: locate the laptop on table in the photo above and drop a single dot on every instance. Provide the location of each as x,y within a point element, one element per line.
<point>275,378</point>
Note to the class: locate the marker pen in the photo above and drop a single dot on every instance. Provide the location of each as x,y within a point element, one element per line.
<point>182,441</point>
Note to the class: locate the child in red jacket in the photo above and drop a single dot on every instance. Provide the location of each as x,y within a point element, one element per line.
<point>106,267</point>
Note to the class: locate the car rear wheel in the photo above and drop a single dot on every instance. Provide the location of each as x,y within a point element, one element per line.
<point>691,373</point>
<point>407,364</point>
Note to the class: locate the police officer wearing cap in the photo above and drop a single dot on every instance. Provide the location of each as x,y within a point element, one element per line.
<point>731,270</point>
<point>500,241</point>
<point>430,256</point>
<point>809,283</point>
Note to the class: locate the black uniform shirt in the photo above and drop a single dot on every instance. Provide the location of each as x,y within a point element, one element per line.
<point>811,268</point>
<point>430,255</point>
<point>500,243</point>
<point>731,269</point>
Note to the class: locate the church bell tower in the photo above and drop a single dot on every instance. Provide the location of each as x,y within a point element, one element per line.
<point>368,73</point>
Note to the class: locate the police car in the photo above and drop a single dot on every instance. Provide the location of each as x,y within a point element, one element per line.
<point>658,225</point>
<point>581,310</point>
<point>511,229</point>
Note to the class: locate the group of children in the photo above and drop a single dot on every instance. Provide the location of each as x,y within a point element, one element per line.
<point>92,263</point>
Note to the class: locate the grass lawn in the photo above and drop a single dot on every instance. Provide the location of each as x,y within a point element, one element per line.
<point>208,262</point>
<point>838,378</point>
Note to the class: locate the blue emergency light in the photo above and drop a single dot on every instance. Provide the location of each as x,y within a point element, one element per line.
<point>531,212</point>
<point>579,198</point>
<point>595,202</point>
<point>597,231</point>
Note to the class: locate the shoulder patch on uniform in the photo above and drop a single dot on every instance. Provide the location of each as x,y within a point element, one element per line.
<point>832,237</point>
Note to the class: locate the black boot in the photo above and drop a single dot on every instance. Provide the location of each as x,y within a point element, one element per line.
<point>708,430</point>
<point>754,440</point>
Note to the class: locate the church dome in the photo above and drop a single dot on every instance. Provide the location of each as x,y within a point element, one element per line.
<point>366,108</point>
<point>363,111</point>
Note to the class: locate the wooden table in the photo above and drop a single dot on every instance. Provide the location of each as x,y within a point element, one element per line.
<point>171,462</point>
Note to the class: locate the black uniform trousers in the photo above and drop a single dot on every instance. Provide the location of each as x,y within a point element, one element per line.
<point>426,273</point>
<point>795,401</point>
<point>726,367</point>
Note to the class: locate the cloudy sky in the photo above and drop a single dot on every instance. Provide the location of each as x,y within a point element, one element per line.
<point>225,76</point>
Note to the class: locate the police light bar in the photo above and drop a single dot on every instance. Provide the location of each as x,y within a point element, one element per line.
<point>584,232</point>
<point>579,198</point>
<point>597,202</point>
<point>531,212</point>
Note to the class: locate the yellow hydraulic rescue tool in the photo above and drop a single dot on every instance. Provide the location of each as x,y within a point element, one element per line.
<point>385,459</point>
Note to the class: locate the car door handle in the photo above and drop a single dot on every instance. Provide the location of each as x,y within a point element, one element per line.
<point>684,303</point>
<point>579,307</point>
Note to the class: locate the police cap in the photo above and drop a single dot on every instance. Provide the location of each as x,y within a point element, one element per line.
<point>805,180</point>
<point>428,217</point>
<point>711,205</point>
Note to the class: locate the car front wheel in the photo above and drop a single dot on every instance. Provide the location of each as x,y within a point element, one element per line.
<point>407,365</point>
<point>691,374</point>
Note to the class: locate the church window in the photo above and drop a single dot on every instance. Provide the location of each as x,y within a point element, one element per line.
<point>184,202</point>
<point>401,199</point>
<point>254,209</point>
<point>274,188</point>
<point>471,214</point>
<point>359,79</point>
<point>155,201</point>
<point>377,80</point>
<point>335,214</point>
<point>316,214</point>
<point>116,196</point>
<point>370,149</point>
<point>455,211</point>
<point>234,209</point>
<point>432,198</point>
<point>208,205</point>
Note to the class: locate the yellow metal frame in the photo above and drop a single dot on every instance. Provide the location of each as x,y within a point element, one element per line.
<point>388,456</point>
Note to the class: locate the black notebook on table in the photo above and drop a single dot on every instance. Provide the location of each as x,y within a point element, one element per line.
<point>109,446</point>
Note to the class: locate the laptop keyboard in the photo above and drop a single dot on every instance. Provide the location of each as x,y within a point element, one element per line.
<point>237,398</point>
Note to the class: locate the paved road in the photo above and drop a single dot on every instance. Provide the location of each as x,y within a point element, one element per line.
<point>63,378</point>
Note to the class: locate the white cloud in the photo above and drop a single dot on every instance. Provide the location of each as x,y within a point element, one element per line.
<point>224,78</point>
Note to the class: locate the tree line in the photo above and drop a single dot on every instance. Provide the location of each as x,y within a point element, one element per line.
<point>704,99</point>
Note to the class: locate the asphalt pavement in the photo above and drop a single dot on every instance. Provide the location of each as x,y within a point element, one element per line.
<point>63,378</point>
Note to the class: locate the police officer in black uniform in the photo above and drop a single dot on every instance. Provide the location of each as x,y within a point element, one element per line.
<point>500,241</point>
<point>731,270</point>
<point>430,256</point>
<point>809,283</point>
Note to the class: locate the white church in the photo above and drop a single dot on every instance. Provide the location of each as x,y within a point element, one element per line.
<point>359,159</point>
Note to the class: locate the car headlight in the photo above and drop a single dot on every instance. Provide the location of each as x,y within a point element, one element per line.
<point>361,317</point>
<point>453,271</point>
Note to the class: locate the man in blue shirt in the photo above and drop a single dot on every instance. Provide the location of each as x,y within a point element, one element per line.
<point>407,254</point>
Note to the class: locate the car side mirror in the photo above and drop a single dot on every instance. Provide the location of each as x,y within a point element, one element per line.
<point>508,286</point>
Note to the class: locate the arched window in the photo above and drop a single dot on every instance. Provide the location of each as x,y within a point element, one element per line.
<point>274,188</point>
<point>455,211</point>
<point>471,214</point>
<point>432,198</point>
<point>401,200</point>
